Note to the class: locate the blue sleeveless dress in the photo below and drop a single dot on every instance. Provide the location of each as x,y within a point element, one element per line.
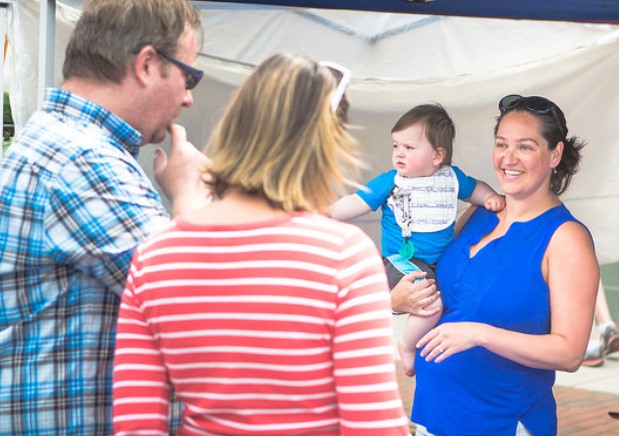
<point>477,392</point>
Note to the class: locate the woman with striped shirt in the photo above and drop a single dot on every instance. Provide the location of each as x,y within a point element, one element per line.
<point>264,316</point>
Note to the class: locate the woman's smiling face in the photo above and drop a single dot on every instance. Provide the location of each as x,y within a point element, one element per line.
<point>522,160</point>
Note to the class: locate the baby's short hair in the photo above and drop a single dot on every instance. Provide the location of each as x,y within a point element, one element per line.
<point>438,125</point>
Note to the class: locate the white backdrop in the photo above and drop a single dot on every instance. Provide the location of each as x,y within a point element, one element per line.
<point>399,61</point>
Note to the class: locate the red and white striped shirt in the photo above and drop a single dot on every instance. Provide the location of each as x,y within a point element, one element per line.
<point>279,327</point>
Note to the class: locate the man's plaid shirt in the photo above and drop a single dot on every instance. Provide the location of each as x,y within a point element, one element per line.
<point>74,204</point>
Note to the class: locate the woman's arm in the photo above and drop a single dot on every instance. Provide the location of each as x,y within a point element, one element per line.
<point>368,399</point>
<point>141,392</point>
<point>572,273</point>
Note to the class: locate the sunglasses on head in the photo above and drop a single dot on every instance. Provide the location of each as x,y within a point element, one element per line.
<point>537,104</point>
<point>192,75</point>
<point>343,75</point>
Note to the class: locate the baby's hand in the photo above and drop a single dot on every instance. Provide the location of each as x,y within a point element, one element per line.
<point>494,202</point>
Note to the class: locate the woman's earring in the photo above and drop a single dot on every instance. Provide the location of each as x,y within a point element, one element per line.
<point>554,170</point>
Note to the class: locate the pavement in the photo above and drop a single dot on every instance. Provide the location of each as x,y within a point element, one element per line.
<point>584,397</point>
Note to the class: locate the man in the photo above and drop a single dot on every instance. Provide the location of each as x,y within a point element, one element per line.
<point>74,204</point>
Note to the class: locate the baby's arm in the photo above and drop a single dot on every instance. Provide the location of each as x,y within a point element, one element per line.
<point>484,195</point>
<point>349,207</point>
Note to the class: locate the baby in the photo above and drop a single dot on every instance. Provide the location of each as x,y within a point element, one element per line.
<point>419,200</point>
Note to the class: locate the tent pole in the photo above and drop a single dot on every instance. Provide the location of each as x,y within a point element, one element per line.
<point>47,46</point>
<point>3,7</point>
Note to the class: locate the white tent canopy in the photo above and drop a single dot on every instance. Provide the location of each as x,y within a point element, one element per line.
<point>398,61</point>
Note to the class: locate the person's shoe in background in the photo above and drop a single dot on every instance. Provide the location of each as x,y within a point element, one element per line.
<point>611,339</point>
<point>594,357</point>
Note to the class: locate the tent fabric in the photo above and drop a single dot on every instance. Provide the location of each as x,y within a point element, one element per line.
<point>398,61</point>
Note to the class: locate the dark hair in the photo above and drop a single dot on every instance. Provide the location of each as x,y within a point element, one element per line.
<point>439,128</point>
<point>561,177</point>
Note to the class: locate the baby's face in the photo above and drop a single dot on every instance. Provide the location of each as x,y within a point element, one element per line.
<point>413,155</point>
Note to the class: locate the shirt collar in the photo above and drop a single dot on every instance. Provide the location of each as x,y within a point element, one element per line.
<point>77,107</point>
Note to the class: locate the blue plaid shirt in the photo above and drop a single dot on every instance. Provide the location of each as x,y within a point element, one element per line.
<point>74,204</point>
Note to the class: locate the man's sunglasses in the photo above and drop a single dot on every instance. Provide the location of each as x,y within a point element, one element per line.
<point>537,104</point>
<point>192,75</point>
<point>343,75</point>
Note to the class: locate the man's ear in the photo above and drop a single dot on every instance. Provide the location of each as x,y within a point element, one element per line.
<point>439,156</point>
<point>145,64</point>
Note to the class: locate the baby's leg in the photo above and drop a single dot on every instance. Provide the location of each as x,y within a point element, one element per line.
<point>414,329</point>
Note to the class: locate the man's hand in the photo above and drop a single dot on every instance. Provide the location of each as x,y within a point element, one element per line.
<point>180,175</point>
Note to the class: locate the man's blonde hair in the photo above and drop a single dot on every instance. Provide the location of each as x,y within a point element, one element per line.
<point>280,140</point>
<point>109,32</point>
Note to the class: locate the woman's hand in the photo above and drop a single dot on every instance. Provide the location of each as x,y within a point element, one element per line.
<point>419,298</point>
<point>449,339</point>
